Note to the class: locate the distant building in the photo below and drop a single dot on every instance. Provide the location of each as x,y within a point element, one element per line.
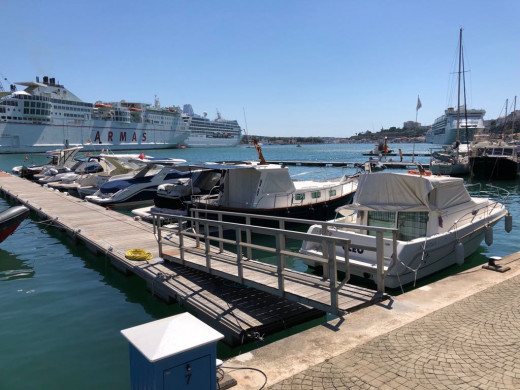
<point>411,125</point>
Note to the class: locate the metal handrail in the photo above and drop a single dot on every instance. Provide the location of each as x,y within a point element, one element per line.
<point>204,240</point>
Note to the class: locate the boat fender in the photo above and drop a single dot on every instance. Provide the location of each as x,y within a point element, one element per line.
<point>489,235</point>
<point>138,255</point>
<point>459,253</point>
<point>509,222</point>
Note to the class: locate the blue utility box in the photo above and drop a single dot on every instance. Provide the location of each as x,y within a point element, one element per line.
<point>178,352</point>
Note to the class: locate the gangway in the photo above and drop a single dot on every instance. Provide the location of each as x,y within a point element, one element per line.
<point>199,241</point>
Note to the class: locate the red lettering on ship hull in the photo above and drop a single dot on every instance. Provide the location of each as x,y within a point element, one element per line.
<point>122,137</point>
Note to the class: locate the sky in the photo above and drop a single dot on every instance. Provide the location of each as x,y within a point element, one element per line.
<point>288,68</point>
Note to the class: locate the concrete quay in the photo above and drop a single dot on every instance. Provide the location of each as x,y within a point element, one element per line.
<point>462,332</point>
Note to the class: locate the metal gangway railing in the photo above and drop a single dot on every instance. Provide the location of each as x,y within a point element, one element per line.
<point>207,235</point>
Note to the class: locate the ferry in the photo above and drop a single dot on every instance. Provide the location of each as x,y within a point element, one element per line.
<point>444,129</point>
<point>46,115</point>
<point>205,133</point>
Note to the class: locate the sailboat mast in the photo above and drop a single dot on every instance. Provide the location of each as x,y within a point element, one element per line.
<point>458,89</point>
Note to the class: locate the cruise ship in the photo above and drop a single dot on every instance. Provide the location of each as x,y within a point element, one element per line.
<point>46,115</point>
<point>205,133</point>
<point>444,129</point>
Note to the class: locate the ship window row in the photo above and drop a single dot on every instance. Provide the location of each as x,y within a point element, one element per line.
<point>72,108</point>
<point>36,111</point>
<point>72,103</point>
<point>25,97</point>
<point>9,103</point>
<point>36,105</point>
<point>30,119</point>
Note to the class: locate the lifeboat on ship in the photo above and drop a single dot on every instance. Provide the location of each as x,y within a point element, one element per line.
<point>102,105</point>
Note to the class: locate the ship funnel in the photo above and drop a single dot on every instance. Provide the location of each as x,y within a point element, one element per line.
<point>45,79</point>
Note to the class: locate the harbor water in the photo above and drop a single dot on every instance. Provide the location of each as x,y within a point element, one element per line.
<point>63,307</point>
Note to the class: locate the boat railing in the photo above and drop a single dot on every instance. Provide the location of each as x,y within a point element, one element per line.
<point>491,191</point>
<point>470,216</point>
<point>207,236</point>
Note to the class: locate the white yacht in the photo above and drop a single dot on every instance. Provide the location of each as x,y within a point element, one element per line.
<point>46,115</point>
<point>141,186</point>
<point>444,129</point>
<point>205,133</point>
<point>432,222</point>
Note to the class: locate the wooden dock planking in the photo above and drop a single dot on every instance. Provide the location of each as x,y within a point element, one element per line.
<point>236,312</point>
<point>309,292</point>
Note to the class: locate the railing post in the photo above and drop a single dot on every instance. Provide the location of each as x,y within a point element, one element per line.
<point>240,268</point>
<point>197,228</point>
<point>280,262</point>
<point>333,276</point>
<point>380,253</point>
<point>249,251</point>
<point>220,233</point>
<point>207,247</point>
<point>159,236</point>
<point>181,239</point>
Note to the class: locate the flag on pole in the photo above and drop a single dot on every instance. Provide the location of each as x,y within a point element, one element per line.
<point>419,105</point>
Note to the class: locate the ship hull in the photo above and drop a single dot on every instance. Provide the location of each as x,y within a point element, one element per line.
<point>18,137</point>
<point>204,141</point>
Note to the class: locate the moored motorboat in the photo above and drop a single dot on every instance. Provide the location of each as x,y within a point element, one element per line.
<point>257,187</point>
<point>268,189</point>
<point>10,219</point>
<point>436,223</point>
<point>494,160</point>
<point>139,187</point>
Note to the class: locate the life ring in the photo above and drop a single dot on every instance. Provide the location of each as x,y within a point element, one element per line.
<point>138,254</point>
<point>417,172</point>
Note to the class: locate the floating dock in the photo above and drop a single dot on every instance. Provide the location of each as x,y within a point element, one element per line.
<point>240,313</point>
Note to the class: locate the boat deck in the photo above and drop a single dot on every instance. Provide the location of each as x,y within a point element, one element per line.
<point>238,312</point>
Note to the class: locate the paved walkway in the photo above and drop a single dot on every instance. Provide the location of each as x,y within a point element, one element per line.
<point>462,332</point>
<point>471,344</point>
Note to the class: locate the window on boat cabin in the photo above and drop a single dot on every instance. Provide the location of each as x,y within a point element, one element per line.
<point>332,193</point>
<point>316,194</point>
<point>410,224</point>
<point>299,197</point>
<point>381,219</point>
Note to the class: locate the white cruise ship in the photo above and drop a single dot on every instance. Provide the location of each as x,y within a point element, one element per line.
<point>45,116</point>
<point>205,133</point>
<point>444,129</point>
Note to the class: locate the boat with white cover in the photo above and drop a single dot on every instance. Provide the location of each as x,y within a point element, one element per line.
<point>436,223</point>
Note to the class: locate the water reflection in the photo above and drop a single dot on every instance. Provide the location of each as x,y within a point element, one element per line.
<point>11,267</point>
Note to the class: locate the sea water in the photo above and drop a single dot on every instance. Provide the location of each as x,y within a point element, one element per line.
<point>63,308</point>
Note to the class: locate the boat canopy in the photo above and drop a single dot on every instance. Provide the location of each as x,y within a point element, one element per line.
<point>391,191</point>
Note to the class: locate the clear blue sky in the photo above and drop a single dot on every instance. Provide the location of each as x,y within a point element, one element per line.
<point>297,68</point>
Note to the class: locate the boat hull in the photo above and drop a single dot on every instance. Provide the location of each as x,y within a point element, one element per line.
<point>415,259</point>
<point>321,211</point>
<point>10,220</point>
<point>494,168</point>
